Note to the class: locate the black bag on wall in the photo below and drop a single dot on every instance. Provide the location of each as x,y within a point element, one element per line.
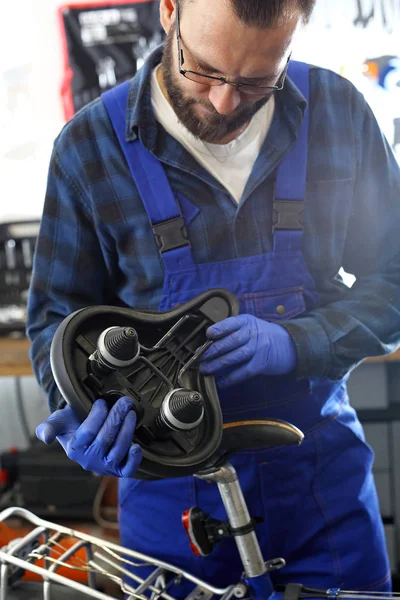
<point>104,43</point>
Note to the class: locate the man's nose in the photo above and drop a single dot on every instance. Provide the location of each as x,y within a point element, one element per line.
<point>225,98</point>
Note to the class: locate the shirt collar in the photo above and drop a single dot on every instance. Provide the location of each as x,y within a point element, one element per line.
<point>141,122</point>
<point>293,102</point>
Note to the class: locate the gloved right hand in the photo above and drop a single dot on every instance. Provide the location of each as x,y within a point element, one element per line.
<point>102,443</point>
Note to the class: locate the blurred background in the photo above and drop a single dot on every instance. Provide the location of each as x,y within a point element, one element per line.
<point>55,58</point>
<point>358,38</point>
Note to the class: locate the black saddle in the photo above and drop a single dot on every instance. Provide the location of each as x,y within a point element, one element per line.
<point>109,352</point>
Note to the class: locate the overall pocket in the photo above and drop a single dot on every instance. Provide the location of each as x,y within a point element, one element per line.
<point>274,305</point>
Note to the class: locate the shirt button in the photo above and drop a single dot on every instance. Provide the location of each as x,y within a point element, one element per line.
<point>280,309</point>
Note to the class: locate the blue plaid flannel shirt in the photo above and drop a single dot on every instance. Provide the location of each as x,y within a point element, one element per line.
<point>96,246</point>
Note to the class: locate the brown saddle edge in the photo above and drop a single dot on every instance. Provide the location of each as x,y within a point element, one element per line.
<point>240,436</point>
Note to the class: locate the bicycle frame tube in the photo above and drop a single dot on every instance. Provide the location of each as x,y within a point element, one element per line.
<point>255,569</point>
<point>259,588</point>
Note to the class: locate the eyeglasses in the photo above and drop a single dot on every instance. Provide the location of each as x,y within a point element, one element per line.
<point>244,88</point>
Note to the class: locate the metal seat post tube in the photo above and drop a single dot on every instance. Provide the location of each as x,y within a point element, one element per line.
<point>238,515</point>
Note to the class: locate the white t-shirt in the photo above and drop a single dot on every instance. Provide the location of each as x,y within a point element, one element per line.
<point>232,163</point>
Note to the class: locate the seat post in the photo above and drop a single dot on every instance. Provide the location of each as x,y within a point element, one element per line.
<point>238,515</point>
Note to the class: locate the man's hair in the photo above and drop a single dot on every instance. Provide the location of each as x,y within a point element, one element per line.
<point>267,13</point>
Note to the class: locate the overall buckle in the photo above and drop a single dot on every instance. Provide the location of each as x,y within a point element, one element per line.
<point>288,215</point>
<point>171,234</point>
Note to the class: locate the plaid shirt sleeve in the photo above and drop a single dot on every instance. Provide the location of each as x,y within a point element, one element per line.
<point>69,270</point>
<point>365,321</point>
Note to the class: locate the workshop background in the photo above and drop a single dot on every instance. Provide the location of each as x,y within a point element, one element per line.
<point>54,59</point>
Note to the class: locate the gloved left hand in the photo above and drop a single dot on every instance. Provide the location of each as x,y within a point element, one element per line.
<point>102,443</point>
<point>245,346</point>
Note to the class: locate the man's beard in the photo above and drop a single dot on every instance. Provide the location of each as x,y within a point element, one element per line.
<point>213,127</point>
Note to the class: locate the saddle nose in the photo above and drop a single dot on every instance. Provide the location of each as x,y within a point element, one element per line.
<point>249,435</point>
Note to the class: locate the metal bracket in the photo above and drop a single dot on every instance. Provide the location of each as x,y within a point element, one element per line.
<point>205,532</point>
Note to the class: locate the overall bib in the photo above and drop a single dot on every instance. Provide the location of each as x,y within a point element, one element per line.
<point>318,500</point>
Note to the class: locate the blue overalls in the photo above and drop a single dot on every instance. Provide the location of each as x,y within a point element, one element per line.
<point>318,500</point>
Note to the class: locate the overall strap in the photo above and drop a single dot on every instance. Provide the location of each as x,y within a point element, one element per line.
<point>291,176</point>
<point>151,181</point>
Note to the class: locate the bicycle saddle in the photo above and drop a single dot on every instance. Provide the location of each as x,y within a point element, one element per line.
<point>249,435</point>
<point>109,352</point>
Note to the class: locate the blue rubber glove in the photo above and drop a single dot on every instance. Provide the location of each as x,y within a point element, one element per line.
<point>245,346</point>
<point>102,443</point>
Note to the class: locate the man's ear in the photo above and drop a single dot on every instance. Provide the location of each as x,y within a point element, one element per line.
<point>167,14</point>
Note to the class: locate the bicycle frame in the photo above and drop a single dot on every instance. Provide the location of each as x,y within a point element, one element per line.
<point>255,577</point>
<point>45,543</point>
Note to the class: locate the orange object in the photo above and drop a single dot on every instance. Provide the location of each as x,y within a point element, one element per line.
<point>371,69</point>
<point>188,529</point>
<point>3,477</point>
<point>7,534</point>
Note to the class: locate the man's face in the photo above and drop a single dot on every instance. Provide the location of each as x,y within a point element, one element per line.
<point>215,42</point>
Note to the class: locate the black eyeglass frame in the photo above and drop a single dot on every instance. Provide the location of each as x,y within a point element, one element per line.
<point>222,79</point>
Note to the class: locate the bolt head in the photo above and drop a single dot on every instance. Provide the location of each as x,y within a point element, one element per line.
<point>240,590</point>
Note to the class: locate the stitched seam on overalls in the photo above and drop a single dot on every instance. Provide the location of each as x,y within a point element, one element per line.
<point>328,420</point>
<point>274,293</point>
<point>245,259</point>
<point>283,402</point>
<point>376,584</point>
<point>252,305</point>
<point>279,293</point>
<point>268,404</point>
<point>290,313</point>
<point>330,533</point>
<point>268,549</point>
<point>320,501</point>
<point>318,427</point>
